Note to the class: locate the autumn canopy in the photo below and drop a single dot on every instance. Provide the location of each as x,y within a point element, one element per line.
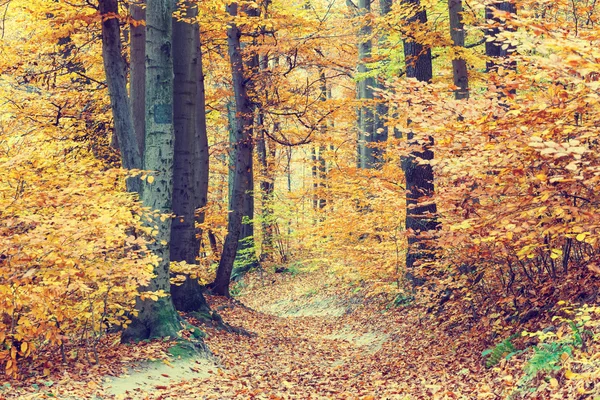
<point>261,191</point>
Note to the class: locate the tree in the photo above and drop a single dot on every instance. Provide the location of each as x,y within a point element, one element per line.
<point>365,85</point>
<point>116,79</point>
<point>266,151</point>
<point>495,49</point>
<point>459,65</point>
<point>201,151</point>
<point>246,249</point>
<point>420,210</point>
<point>157,316</point>
<point>242,147</point>
<point>187,168</point>
<point>381,110</point>
<point>137,71</point>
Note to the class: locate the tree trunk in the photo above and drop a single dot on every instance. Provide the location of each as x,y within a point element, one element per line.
<point>137,73</point>
<point>494,48</point>
<point>185,245</point>
<point>158,318</point>
<point>420,210</point>
<point>115,68</point>
<point>246,252</point>
<point>366,130</point>
<point>243,150</point>
<point>381,132</point>
<point>202,155</point>
<point>320,166</point>
<point>459,65</point>
<point>265,153</point>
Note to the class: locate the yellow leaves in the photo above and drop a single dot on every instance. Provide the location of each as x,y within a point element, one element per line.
<point>463,225</point>
<point>154,296</point>
<point>556,253</point>
<point>581,237</point>
<point>572,375</point>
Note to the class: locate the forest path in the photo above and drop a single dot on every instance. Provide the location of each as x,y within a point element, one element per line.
<point>314,339</point>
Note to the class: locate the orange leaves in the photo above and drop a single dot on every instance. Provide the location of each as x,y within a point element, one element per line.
<point>69,264</point>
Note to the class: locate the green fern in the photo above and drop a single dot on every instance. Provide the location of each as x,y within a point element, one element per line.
<point>504,349</point>
<point>546,358</point>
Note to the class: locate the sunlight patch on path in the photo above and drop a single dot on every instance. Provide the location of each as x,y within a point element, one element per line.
<point>371,341</point>
<point>149,376</point>
<point>324,307</point>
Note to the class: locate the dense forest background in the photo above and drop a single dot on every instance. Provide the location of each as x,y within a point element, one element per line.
<point>433,161</point>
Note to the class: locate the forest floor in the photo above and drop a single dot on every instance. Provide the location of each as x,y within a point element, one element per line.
<point>310,337</point>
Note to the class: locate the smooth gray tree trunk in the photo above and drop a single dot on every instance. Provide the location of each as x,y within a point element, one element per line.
<point>494,48</point>
<point>246,249</point>
<point>420,210</point>
<point>381,131</point>
<point>185,244</point>
<point>115,68</point>
<point>158,318</point>
<point>319,165</point>
<point>266,152</point>
<point>243,149</point>
<point>366,120</point>
<point>201,150</point>
<point>459,65</point>
<point>137,73</point>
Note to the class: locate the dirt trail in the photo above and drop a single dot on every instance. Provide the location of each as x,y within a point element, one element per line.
<point>315,341</point>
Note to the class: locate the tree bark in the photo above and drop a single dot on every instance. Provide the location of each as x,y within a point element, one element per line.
<point>202,155</point>
<point>158,318</point>
<point>366,127</point>
<point>420,210</point>
<point>494,48</point>
<point>381,132</point>
<point>185,245</point>
<point>320,166</point>
<point>265,153</point>
<point>243,150</point>
<point>115,68</point>
<point>246,248</point>
<point>137,73</point>
<point>459,65</point>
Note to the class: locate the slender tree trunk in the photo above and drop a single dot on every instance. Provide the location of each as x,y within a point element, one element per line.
<point>459,65</point>
<point>247,248</point>
<point>321,168</point>
<point>137,72</point>
<point>366,130</point>
<point>420,210</point>
<point>315,179</point>
<point>266,190</point>
<point>494,48</point>
<point>158,318</point>
<point>381,132</point>
<point>202,155</point>
<point>243,148</point>
<point>116,78</point>
<point>265,153</point>
<point>185,245</point>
